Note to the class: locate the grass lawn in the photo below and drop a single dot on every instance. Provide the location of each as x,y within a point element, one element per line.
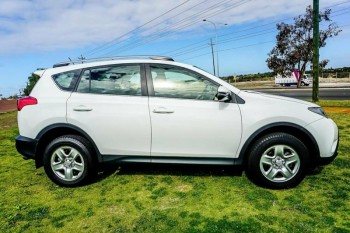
<point>173,198</point>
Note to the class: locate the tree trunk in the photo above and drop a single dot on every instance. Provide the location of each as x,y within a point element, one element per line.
<point>301,74</point>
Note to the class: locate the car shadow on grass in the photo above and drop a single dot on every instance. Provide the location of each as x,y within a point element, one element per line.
<point>167,169</point>
<point>315,171</point>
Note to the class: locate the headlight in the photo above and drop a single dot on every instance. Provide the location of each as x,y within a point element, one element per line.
<point>318,110</point>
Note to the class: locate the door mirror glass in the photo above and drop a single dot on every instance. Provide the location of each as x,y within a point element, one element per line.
<point>223,94</point>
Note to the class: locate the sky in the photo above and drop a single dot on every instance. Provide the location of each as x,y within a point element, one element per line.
<point>37,34</point>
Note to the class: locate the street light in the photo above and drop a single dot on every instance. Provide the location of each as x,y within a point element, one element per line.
<point>217,45</point>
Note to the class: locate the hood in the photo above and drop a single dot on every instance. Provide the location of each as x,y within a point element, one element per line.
<point>277,97</point>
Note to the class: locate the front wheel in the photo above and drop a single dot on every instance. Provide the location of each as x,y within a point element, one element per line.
<point>278,161</point>
<point>68,161</point>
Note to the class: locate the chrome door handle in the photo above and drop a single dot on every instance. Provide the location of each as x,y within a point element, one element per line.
<point>163,110</point>
<point>82,108</point>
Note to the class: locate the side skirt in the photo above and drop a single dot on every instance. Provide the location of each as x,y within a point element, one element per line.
<point>116,159</point>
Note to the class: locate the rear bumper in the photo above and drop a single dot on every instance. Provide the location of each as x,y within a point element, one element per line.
<point>26,147</point>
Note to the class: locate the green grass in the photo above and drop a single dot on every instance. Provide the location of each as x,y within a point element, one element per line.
<point>334,103</point>
<point>171,198</point>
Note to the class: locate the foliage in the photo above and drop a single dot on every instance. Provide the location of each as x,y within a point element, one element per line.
<point>341,73</point>
<point>32,80</point>
<point>294,48</point>
<point>171,198</point>
<point>249,77</point>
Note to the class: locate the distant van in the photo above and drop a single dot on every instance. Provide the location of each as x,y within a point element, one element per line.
<point>292,79</point>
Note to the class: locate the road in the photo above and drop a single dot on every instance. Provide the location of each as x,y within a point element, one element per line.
<point>306,93</point>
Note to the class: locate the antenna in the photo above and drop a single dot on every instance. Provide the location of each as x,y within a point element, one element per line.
<point>81,58</point>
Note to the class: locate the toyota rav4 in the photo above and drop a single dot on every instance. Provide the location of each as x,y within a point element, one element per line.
<point>155,110</point>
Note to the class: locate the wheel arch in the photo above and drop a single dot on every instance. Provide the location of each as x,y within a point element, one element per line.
<point>51,132</point>
<point>284,127</point>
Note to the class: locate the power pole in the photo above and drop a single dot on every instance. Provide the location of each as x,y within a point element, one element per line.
<point>316,48</point>
<point>212,53</point>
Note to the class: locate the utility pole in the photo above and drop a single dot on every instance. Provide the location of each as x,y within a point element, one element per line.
<point>316,53</point>
<point>217,44</point>
<point>212,53</point>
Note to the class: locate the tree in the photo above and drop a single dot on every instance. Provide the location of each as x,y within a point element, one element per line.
<point>32,79</point>
<point>294,43</point>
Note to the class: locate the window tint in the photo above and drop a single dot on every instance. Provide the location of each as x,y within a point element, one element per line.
<point>67,80</point>
<point>177,82</point>
<point>117,80</point>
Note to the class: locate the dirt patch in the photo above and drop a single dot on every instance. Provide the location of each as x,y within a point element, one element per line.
<point>8,105</point>
<point>336,110</point>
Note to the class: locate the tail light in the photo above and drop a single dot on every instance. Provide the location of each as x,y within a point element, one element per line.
<point>28,100</point>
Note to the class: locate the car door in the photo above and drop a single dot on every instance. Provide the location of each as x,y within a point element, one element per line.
<point>111,105</point>
<point>187,120</point>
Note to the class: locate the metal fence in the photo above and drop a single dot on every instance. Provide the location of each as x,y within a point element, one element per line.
<point>336,75</point>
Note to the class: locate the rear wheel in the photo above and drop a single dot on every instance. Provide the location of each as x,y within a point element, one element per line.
<point>68,161</point>
<point>278,161</point>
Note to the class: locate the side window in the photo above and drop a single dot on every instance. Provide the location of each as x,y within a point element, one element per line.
<point>177,82</point>
<point>67,80</point>
<point>115,80</point>
<point>84,84</point>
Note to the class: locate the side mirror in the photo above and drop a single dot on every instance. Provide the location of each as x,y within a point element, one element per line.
<point>224,94</point>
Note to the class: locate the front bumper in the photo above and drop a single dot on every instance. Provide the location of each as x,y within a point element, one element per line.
<point>328,160</point>
<point>26,147</point>
<point>326,134</point>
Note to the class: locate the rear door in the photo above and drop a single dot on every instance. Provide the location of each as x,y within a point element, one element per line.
<point>111,105</point>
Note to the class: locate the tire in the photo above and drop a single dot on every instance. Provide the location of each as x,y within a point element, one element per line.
<point>302,84</point>
<point>277,161</point>
<point>68,160</point>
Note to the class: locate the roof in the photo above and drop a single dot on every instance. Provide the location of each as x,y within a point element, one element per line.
<point>81,61</point>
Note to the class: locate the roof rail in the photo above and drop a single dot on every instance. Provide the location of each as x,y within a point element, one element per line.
<point>81,61</point>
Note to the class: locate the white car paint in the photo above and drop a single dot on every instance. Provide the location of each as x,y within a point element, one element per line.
<point>194,128</point>
<point>119,125</point>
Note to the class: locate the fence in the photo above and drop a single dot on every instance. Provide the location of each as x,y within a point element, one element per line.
<point>336,75</point>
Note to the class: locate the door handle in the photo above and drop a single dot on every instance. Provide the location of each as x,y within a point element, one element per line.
<point>163,110</point>
<point>82,108</point>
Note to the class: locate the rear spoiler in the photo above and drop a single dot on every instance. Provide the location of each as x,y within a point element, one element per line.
<point>39,72</point>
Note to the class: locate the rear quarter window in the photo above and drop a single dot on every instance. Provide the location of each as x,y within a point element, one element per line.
<point>67,80</point>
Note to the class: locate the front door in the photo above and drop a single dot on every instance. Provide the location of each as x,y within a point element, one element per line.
<point>187,120</point>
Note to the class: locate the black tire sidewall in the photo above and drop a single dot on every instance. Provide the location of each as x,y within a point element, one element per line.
<point>77,144</point>
<point>261,145</point>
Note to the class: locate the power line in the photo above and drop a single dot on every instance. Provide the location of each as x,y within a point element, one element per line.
<point>268,31</point>
<point>103,47</point>
<point>167,28</point>
<point>224,50</point>
<point>258,26</point>
<point>167,19</point>
<point>203,46</point>
<point>167,31</point>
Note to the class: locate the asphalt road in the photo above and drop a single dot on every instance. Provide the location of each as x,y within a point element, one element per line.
<point>306,93</point>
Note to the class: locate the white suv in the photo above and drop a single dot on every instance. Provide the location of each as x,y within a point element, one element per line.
<point>155,110</point>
